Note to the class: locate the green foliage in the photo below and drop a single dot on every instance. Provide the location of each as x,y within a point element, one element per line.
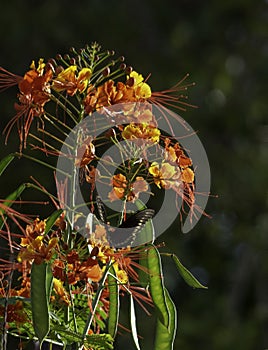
<point>41,284</point>
<point>114,303</point>
<point>5,162</point>
<point>52,219</point>
<point>156,284</point>
<point>99,341</point>
<point>186,274</point>
<point>165,336</point>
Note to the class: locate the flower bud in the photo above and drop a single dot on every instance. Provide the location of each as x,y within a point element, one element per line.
<point>59,69</point>
<point>128,70</point>
<point>72,61</point>
<point>106,72</point>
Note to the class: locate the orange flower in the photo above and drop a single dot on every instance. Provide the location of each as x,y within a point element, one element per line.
<point>116,193</point>
<point>77,269</point>
<point>175,154</point>
<point>122,188</point>
<point>140,185</point>
<point>106,95</point>
<point>32,231</point>
<point>109,94</point>
<point>34,94</point>
<point>14,313</point>
<point>90,269</point>
<point>187,175</point>
<point>68,81</point>
<point>85,153</point>
<point>33,246</point>
<point>92,174</point>
<point>119,183</point>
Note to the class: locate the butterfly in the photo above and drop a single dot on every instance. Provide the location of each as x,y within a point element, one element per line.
<point>134,224</point>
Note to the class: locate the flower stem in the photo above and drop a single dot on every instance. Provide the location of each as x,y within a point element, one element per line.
<point>95,302</point>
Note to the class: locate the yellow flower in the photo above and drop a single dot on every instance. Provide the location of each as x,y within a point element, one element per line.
<point>37,250</point>
<point>142,89</point>
<point>67,80</point>
<point>61,291</point>
<point>138,78</point>
<point>144,131</point>
<point>120,274</point>
<point>166,176</point>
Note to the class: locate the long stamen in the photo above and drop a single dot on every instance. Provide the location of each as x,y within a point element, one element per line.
<point>8,79</point>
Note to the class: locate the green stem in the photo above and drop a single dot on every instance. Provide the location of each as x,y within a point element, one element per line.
<point>73,179</point>
<point>95,303</point>
<point>65,108</point>
<point>54,138</point>
<point>49,118</point>
<point>40,162</point>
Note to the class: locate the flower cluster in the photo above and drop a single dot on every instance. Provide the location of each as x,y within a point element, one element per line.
<point>83,271</point>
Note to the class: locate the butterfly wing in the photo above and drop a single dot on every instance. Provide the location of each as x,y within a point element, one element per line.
<point>101,210</point>
<point>134,224</point>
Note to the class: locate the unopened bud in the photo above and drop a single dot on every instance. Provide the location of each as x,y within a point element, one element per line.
<point>72,61</point>
<point>49,66</point>
<point>128,69</point>
<point>106,72</point>
<point>59,69</point>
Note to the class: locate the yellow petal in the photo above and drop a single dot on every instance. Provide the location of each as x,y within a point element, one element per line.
<point>154,169</point>
<point>84,74</point>
<point>138,78</point>
<point>144,91</point>
<point>168,170</point>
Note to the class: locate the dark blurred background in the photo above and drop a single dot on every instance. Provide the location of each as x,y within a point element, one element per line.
<point>223,45</point>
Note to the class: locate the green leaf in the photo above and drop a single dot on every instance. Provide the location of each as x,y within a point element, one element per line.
<point>157,285</point>
<point>52,219</point>
<point>41,285</point>
<point>114,302</point>
<point>63,332</point>
<point>99,342</point>
<point>165,337</point>
<point>147,233</point>
<point>9,201</point>
<point>133,322</point>
<point>186,275</point>
<point>5,162</point>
